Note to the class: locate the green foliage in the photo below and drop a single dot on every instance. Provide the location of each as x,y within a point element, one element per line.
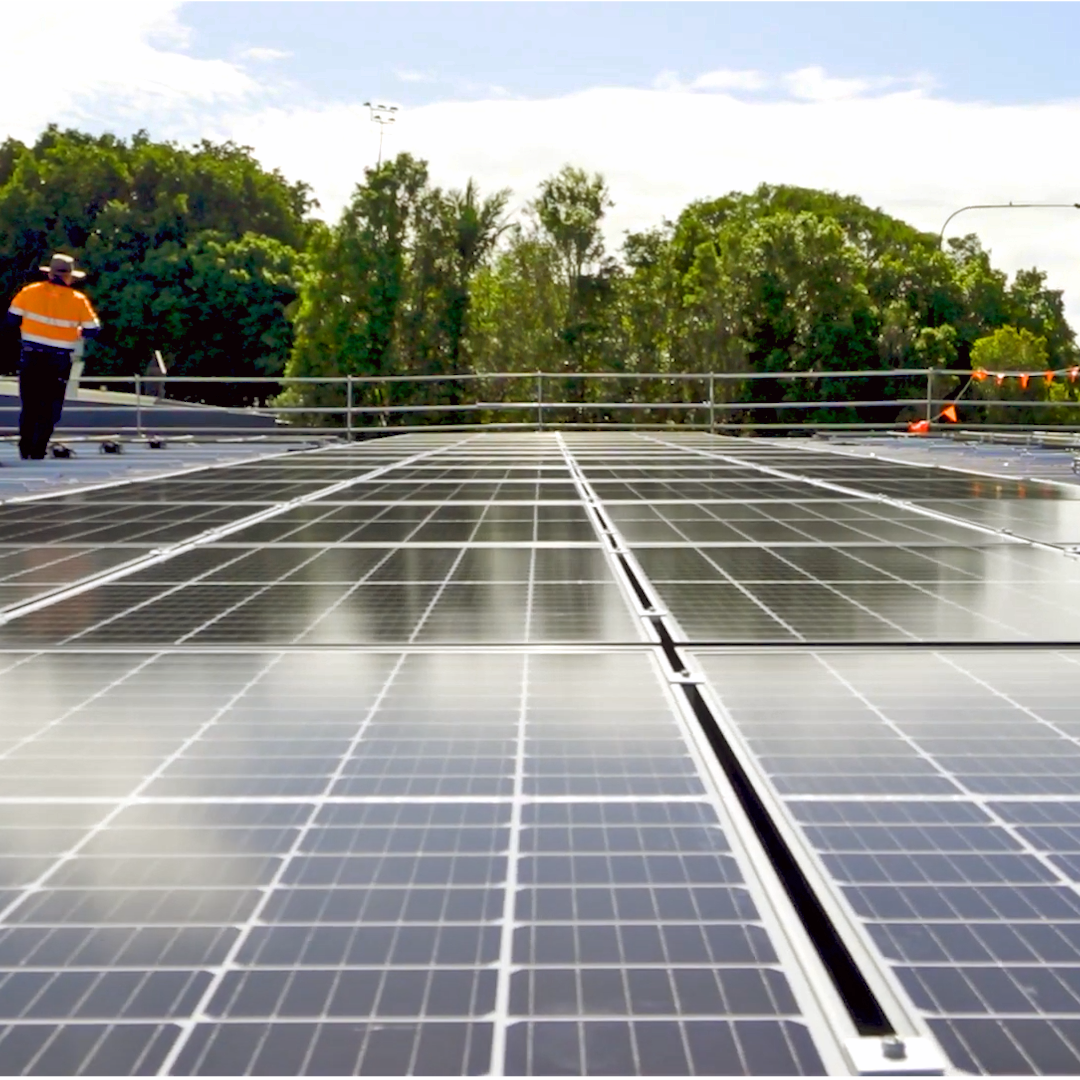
<point>194,252</point>
<point>473,225</point>
<point>387,290</point>
<point>519,306</point>
<point>570,207</point>
<point>1010,349</point>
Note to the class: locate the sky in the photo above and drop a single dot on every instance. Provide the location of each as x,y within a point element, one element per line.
<point>917,108</point>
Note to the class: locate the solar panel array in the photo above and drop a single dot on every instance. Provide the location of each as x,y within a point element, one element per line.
<point>373,759</point>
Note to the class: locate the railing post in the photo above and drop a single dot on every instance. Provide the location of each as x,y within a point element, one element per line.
<point>929,395</point>
<point>349,407</point>
<point>540,400</point>
<point>138,407</point>
<point>712,403</point>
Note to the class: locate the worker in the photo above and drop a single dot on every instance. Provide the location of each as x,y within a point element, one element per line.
<point>54,317</point>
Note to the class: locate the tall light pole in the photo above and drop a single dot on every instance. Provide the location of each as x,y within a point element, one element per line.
<point>381,115</point>
<point>1006,206</point>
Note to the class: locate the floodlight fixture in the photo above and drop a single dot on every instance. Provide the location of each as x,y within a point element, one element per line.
<point>382,115</point>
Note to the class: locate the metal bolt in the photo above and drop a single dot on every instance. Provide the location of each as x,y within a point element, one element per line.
<point>893,1048</point>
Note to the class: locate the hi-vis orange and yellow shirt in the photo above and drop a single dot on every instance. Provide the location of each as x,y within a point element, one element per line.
<point>53,314</point>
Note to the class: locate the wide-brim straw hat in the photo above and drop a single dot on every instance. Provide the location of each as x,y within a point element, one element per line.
<point>63,264</point>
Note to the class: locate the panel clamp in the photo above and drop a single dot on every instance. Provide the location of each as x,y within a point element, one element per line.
<point>895,1055</point>
<point>684,678</point>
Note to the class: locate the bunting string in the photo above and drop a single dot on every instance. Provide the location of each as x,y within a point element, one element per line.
<point>1067,374</point>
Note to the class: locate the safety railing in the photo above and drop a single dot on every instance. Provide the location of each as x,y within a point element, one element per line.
<point>354,406</point>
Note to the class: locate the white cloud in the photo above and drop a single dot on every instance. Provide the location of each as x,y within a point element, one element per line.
<point>669,80</point>
<point>262,54</point>
<point>470,89</point>
<point>806,84</point>
<point>163,27</point>
<point>730,80</point>
<point>413,76</point>
<point>131,70</point>
<point>812,84</point>
<point>721,79</point>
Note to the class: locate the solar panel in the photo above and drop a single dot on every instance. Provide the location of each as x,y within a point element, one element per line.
<point>396,758</point>
<point>939,793</point>
<point>311,850</point>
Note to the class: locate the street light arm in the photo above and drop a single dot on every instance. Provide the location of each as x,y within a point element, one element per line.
<point>977,206</point>
<point>1004,206</point>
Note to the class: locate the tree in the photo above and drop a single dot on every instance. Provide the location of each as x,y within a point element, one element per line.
<point>242,290</point>
<point>1009,349</point>
<point>194,252</point>
<point>570,207</point>
<point>388,289</point>
<point>475,225</point>
<point>519,306</point>
<point>1034,307</point>
<point>984,294</point>
<point>569,210</point>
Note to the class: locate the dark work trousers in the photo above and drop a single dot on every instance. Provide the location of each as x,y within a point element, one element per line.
<point>43,376</point>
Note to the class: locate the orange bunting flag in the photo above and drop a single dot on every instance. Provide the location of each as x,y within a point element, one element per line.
<point>1025,378</point>
<point>919,427</point>
<point>999,379</point>
<point>978,374</point>
<point>1048,377</point>
<point>1073,372</point>
<point>949,412</point>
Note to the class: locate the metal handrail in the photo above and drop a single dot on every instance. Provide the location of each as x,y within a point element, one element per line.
<point>545,407</point>
<point>472,376</point>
